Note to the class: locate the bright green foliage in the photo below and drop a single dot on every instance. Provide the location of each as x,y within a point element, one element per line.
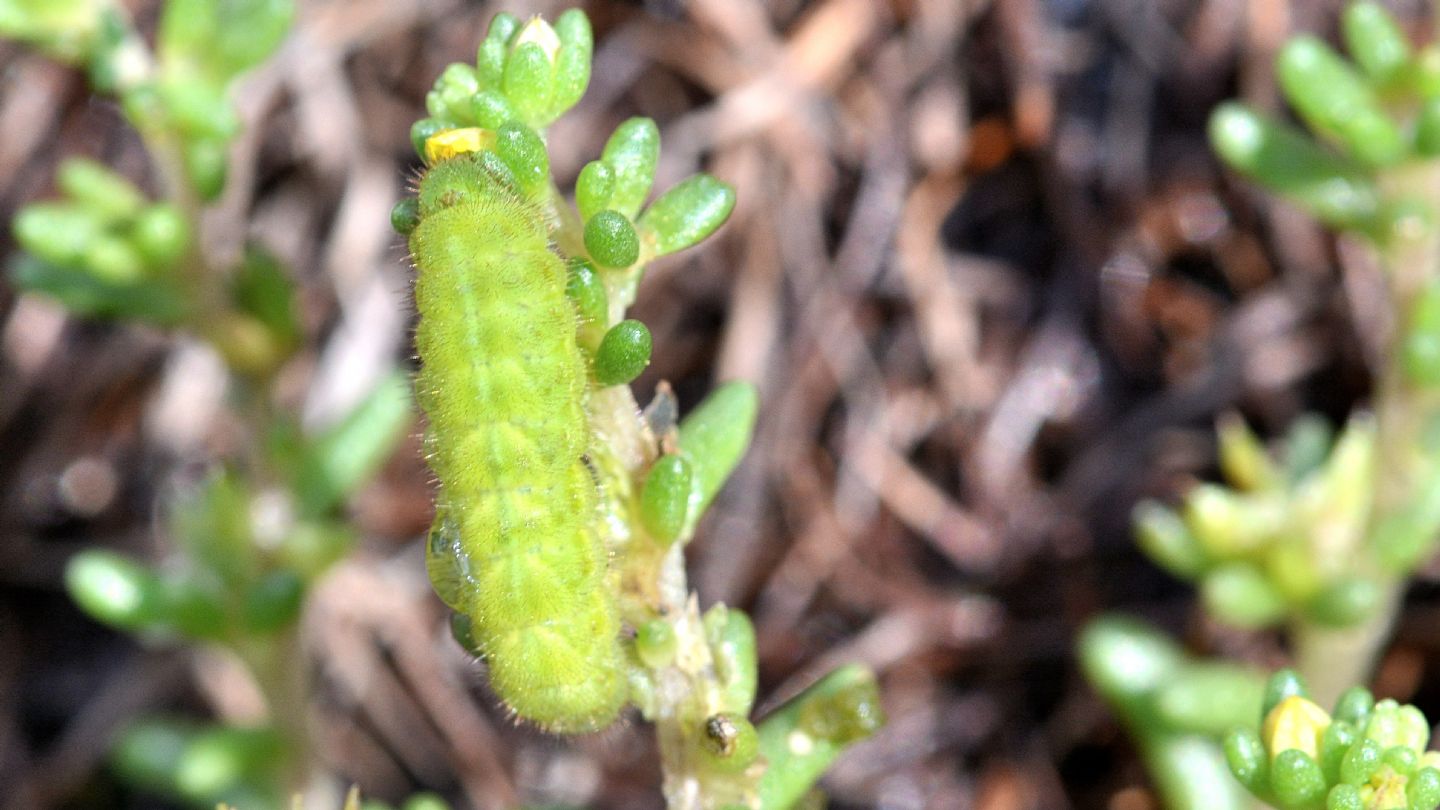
<point>103,251</point>
<point>631,154</point>
<point>624,352</point>
<point>1367,755</point>
<point>528,73</point>
<point>665,498</point>
<point>611,239</point>
<point>1337,102</point>
<point>1175,707</point>
<point>714,437</point>
<point>802,738</point>
<point>114,589</point>
<point>202,765</point>
<point>731,637</point>
<point>1378,115</point>
<point>686,214</point>
<point>1288,539</point>
<point>655,643</point>
<point>1377,43</point>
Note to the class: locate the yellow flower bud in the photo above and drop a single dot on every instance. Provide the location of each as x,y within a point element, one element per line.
<point>452,142</point>
<point>1294,723</point>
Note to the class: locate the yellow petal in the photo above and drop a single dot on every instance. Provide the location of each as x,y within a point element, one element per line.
<point>1295,723</point>
<point>452,142</point>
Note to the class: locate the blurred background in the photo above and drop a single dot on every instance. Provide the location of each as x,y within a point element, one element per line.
<point>984,269</point>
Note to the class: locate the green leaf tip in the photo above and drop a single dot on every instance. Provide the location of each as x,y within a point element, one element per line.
<point>686,214</point>
<point>611,240</point>
<point>624,352</point>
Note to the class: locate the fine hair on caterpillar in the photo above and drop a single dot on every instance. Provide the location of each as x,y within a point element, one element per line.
<point>503,383</point>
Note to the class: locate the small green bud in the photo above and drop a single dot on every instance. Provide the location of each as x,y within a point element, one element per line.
<point>655,643</point>
<point>161,235</point>
<point>624,352</point>
<point>1376,42</point>
<point>206,165</point>
<point>1237,593</point>
<point>220,759</point>
<point>729,743</point>
<point>1361,762</point>
<point>593,188</point>
<point>450,98</point>
<point>1334,745</point>
<point>665,498</point>
<point>148,751</point>
<point>731,637</point>
<point>529,82</point>
<point>405,216</point>
<point>490,59</point>
<point>1354,706</point>
<point>502,27</point>
<point>1296,779</point>
<point>274,601</point>
<point>96,188</point>
<point>59,234</point>
<point>686,214</point>
<point>611,240</point>
<point>114,589</point>
<point>1422,790</point>
<point>632,152</point>
<point>1344,797</point>
<point>1392,724</point>
<point>1283,684</point>
<point>1163,537</point>
<point>490,56</point>
<point>1332,188</point>
<point>524,152</point>
<point>1333,100</point>
<point>114,260</point>
<point>491,109</point>
<point>1402,759</point>
<point>1248,760</point>
<point>572,63</point>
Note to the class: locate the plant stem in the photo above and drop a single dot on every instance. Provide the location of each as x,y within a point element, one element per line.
<point>1334,659</point>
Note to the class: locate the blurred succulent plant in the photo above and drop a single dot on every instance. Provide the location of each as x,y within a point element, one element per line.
<point>1322,540</point>
<point>253,536</point>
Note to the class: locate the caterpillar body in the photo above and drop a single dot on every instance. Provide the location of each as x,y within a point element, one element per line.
<point>503,383</point>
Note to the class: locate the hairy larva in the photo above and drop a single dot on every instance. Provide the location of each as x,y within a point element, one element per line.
<point>503,384</point>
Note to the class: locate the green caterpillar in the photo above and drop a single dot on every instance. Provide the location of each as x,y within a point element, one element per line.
<point>503,383</point>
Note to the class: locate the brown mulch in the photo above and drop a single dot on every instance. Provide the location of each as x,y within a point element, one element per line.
<point>987,274</point>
